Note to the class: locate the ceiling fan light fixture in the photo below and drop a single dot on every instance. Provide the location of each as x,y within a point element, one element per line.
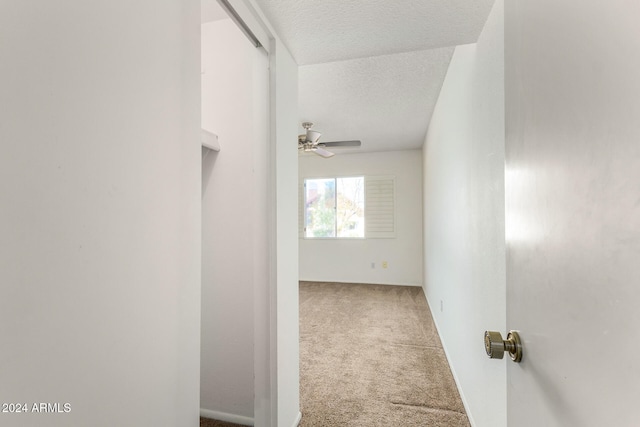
<point>308,142</point>
<point>313,136</point>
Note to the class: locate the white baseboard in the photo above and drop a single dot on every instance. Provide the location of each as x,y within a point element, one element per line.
<point>230,418</point>
<point>296,423</point>
<point>374,282</point>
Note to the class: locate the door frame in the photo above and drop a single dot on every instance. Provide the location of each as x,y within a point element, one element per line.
<point>273,378</point>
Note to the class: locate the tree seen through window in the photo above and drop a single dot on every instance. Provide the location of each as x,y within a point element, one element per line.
<point>334,207</point>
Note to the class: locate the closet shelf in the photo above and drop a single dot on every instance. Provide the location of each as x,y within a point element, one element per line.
<point>209,140</point>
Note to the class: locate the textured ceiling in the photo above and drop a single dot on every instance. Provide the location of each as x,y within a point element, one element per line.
<point>372,69</point>
<point>317,31</point>
<point>384,101</point>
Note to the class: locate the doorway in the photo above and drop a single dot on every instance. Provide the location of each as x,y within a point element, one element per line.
<point>235,261</point>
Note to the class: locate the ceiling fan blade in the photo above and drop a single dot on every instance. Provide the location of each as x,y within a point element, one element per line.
<point>355,143</point>
<point>324,153</point>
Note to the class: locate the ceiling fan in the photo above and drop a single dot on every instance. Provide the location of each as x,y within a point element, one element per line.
<point>308,142</point>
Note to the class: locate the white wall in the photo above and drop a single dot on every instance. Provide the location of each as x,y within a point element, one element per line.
<point>100,218</point>
<point>349,260</point>
<point>464,219</point>
<point>234,228</point>
<point>286,237</point>
<point>573,211</point>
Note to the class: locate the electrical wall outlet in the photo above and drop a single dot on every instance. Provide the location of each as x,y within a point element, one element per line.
<point>385,264</point>
<point>373,265</point>
<point>441,305</point>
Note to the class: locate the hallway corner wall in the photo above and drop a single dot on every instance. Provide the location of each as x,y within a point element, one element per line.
<point>464,248</point>
<point>100,217</point>
<point>286,303</point>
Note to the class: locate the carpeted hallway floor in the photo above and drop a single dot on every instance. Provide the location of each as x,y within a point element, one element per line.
<point>370,356</point>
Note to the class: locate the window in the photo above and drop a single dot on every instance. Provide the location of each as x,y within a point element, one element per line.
<point>355,207</point>
<point>334,207</point>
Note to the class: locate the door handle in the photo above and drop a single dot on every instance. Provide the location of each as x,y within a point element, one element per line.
<point>495,346</point>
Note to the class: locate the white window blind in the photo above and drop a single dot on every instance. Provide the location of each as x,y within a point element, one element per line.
<point>380,210</point>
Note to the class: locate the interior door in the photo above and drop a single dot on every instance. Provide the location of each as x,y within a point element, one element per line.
<point>573,211</point>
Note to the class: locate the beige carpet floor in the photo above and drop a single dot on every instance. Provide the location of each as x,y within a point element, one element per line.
<point>370,356</point>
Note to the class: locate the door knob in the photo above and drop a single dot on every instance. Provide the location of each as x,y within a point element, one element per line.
<point>495,346</point>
